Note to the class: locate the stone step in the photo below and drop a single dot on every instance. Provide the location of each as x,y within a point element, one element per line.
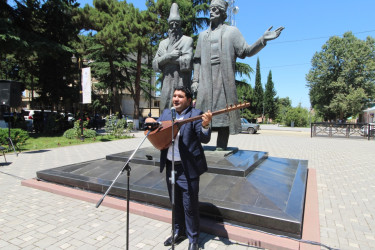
<point>232,162</point>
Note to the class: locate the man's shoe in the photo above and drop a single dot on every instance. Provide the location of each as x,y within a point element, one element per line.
<point>177,239</point>
<point>193,246</point>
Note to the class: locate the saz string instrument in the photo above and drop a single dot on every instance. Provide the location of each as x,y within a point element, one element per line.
<point>161,138</point>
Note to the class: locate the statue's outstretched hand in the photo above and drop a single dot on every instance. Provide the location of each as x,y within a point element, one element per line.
<point>271,35</point>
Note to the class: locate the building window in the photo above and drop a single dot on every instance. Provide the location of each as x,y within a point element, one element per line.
<point>157,104</point>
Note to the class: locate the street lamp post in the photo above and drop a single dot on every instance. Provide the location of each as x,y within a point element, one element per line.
<point>79,62</point>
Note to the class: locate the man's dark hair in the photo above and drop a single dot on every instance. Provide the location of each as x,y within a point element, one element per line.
<point>186,90</point>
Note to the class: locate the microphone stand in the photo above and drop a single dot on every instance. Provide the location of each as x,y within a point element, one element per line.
<point>172,180</point>
<point>128,169</point>
<point>9,139</point>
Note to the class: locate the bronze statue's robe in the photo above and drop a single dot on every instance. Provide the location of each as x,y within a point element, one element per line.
<point>212,73</point>
<point>175,72</point>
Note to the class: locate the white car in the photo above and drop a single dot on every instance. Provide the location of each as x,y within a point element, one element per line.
<point>69,115</point>
<point>246,126</point>
<point>29,114</point>
<point>129,119</point>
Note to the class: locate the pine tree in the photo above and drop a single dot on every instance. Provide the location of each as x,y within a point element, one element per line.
<point>258,91</point>
<point>245,94</point>
<point>270,107</point>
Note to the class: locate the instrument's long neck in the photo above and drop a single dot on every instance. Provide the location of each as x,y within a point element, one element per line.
<point>191,119</point>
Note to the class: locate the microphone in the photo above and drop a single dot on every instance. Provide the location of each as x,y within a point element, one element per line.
<point>173,110</point>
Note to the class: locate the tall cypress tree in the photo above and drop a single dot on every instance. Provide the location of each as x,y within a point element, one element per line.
<point>270,106</point>
<point>258,91</point>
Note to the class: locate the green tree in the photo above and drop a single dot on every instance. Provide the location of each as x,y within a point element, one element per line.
<point>9,40</point>
<point>342,77</point>
<point>298,116</point>
<point>243,69</point>
<point>258,91</point>
<point>283,105</point>
<point>113,62</point>
<point>245,94</point>
<point>41,54</point>
<point>142,25</point>
<point>270,106</point>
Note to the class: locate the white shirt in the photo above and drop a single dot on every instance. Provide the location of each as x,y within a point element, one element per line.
<point>177,156</point>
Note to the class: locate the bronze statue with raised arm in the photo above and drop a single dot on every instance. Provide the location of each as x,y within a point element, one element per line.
<point>214,69</point>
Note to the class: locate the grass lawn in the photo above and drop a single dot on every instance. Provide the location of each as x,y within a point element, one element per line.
<point>39,141</point>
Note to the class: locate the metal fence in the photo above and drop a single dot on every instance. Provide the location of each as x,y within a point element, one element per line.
<point>344,130</point>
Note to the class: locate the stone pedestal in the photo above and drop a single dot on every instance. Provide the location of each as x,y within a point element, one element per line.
<point>242,187</point>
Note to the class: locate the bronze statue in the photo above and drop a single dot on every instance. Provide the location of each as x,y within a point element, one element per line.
<point>173,59</point>
<point>214,69</point>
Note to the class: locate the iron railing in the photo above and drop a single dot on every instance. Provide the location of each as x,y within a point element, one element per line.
<point>345,130</point>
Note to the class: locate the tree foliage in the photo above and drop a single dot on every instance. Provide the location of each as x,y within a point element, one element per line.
<point>342,77</point>
<point>243,69</point>
<point>258,91</point>
<point>36,37</point>
<point>245,94</point>
<point>270,106</point>
<point>283,105</point>
<point>108,47</point>
<point>298,117</point>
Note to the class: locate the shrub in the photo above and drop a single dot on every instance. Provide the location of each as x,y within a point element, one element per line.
<point>71,134</point>
<point>17,135</point>
<point>116,127</point>
<point>89,133</point>
<point>75,132</point>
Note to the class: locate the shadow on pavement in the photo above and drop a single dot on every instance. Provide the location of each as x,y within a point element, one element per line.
<point>36,151</point>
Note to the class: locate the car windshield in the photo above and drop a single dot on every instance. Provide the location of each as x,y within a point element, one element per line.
<point>244,120</point>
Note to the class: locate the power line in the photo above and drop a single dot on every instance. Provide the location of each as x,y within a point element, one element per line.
<point>283,66</point>
<point>317,38</point>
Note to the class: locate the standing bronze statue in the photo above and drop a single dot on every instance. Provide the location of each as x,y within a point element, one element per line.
<point>174,59</point>
<point>214,69</point>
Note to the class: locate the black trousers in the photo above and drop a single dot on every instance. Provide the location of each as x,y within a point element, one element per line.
<point>186,202</point>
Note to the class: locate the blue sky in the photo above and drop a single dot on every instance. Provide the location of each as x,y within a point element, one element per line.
<point>308,25</point>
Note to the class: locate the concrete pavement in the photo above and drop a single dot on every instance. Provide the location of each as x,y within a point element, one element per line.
<point>33,219</point>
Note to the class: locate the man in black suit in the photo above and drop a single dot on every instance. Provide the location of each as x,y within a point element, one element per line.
<point>190,163</point>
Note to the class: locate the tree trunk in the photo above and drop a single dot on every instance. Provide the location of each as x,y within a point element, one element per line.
<point>115,95</point>
<point>137,84</point>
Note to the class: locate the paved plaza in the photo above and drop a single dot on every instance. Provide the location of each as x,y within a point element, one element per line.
<point>34,219</point>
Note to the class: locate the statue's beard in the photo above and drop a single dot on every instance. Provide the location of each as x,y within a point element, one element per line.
<point>174,35</point>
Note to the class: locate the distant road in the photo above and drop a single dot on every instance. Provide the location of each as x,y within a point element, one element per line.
<point>276,127</point>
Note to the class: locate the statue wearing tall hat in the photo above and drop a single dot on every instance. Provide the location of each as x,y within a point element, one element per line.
<point>174,59</point>
<point>214,69</point>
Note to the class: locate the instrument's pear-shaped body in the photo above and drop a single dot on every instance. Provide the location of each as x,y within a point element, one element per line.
<point>161,137</point>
